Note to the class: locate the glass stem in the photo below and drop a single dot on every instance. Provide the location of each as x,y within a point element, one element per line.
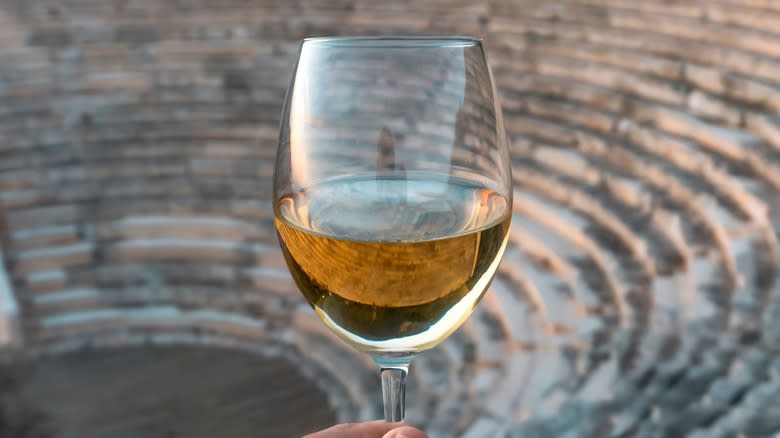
<point>393,373</point>
<point>394,393</point>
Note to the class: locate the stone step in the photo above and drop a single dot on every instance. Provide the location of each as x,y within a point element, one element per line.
<point>160,318</point>
<point>64,301</point>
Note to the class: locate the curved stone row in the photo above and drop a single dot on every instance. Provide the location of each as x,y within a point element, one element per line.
<point>638,293</point>
<point>654,138</point>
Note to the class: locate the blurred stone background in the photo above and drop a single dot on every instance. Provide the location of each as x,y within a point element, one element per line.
<point>144,294</point>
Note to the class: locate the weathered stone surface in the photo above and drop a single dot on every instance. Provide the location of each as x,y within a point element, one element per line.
<point>638,296</point>
<point>179,407</point>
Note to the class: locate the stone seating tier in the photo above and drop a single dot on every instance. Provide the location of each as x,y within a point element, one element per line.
<point>638,293</point>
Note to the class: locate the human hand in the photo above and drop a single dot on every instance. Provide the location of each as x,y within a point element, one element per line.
<point>373,429</point>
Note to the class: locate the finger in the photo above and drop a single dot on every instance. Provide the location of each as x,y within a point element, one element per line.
<point>405,432</point>
<point>372,429</point>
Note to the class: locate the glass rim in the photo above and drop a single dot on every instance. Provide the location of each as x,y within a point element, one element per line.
<point>395,41</point>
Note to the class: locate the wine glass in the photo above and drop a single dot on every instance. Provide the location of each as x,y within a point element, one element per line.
<point>392,191</point>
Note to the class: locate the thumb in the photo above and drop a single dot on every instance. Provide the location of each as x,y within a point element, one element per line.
<point>405,432</point>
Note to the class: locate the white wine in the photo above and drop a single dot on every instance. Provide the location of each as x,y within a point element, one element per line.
<point>393,263</point>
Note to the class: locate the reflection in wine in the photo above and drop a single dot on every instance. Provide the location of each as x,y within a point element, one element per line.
<point>393,263</point>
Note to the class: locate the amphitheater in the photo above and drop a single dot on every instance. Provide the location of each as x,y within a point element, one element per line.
<point>638,297</point>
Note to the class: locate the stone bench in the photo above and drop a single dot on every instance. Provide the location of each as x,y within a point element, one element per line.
<point>160,318</point>
<point>181,227</point>
<point>612,293</point>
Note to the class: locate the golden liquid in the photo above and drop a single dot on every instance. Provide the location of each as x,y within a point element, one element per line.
<point>393,264</point>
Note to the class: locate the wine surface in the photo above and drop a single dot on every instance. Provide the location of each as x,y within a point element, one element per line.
<point>393,264</point>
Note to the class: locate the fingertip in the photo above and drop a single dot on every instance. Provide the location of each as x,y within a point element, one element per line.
<point>405,432</point>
